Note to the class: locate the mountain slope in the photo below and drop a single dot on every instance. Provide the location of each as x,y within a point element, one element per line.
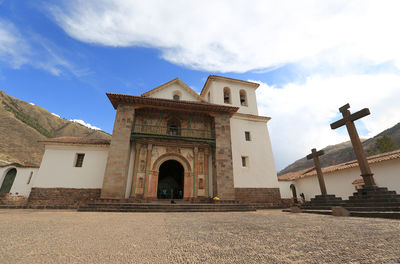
<point>22,125</point>
<point>342,152</point>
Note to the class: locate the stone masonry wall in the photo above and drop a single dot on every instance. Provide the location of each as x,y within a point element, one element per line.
<point>115,176</point>
<point>8,199</point>
<point>270,196</point>
<point>67,197</point>
<point>223,157</point>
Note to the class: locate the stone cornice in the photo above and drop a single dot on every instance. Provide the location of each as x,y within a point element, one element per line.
<point>251,117</point>
<point>226,79</point>
<point>141,102</point>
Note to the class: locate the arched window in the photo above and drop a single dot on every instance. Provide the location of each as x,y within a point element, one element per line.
<point>176,95</point>
<point>243,97</point>
<point>174,127</point>
<point>227,95</point>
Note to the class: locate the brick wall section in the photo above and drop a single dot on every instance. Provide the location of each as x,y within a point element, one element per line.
<point>70,197</point>
<point>223,157</point>
<point>115,176</point>
<point>270,196</point>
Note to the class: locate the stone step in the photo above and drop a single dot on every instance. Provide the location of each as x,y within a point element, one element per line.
<point>377,214</point>
<point>320,205</point>
<point>317,207</point>
<point>371,204</point>
<point>165,210</point>
<point>380,209</point>
<point>373,214</point>
<point>164,207</point>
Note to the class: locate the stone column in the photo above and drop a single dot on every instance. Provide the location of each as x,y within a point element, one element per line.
<point>206,172</point>
<point>116,173</point>
<point>223,157</point>
<point>195,171</point>
<point>135,169</point>
<point>147,175</point>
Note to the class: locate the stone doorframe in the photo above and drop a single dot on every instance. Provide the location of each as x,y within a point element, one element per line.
<point>188,175</point>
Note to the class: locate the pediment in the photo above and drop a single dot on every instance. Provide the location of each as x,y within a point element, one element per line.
<point>175,86</point>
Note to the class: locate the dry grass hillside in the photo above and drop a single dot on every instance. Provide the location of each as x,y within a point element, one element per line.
<point>343,152</point>
<point>22,125</point>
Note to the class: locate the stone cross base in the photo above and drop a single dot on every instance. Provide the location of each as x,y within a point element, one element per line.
<point>374,197</point>
<point>323,202</point>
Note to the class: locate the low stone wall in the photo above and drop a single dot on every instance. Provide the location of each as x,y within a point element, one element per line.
<point>15,200</point>
<point>287,202</point>
<point>267,196</point>
<point>69,197</point>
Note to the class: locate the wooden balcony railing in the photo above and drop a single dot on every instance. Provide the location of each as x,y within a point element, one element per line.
<point>173,131</point>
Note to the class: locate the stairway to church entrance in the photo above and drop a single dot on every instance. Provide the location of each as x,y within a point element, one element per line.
<point>170,180</point>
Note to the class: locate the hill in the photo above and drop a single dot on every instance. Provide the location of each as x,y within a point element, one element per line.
<point>343,152</point>
<point>22,125</point>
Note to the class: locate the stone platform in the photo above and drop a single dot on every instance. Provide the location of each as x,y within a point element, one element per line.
<point>164,206</point>
<point>366,202</point>
<point>323,202</point>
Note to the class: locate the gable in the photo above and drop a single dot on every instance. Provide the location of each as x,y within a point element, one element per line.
<point>169,89</point>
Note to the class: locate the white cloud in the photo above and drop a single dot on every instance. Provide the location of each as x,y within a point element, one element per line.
<point>13,48</point>
<point>56,115</point>
<point>31,103</point>
<point>302,113</point>
<point>17,49</point>
<point>242,35</point>
<point>84,124</point>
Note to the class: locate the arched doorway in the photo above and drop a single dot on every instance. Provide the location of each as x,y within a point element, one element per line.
<point>170,180</point>
<point>293,189</point>
<point>8,181</point>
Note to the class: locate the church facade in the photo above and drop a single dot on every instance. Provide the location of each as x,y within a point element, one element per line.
<point>169,143</point>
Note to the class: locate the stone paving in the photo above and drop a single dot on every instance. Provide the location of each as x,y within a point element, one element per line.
<point>267,236</point>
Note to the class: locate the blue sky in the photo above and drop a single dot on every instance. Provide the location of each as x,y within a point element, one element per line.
<point>310,58</point>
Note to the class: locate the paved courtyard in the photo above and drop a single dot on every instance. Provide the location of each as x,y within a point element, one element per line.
<point>268,236</point>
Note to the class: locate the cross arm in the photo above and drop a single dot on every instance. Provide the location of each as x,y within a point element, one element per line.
<point>315,153</point>
<point>338,123</point>
<point>359,114</point>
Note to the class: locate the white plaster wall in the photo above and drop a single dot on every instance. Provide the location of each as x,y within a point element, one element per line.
<point>217,96</point>
<point>284,187</point>
<point>261,171</point>
<point>57,167</point>
<point>386,174</point>
<point>20,186</point>
<point>168,93</point>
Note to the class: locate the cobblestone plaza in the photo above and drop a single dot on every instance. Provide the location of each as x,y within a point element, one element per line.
<point>265,236</point>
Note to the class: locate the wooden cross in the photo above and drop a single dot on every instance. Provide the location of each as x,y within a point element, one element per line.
<point>348,120</point>
<point>314,155</point>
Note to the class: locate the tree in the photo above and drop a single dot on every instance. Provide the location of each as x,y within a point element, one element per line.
<point>386,144</point>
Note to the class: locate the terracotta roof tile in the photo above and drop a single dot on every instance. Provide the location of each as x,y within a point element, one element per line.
<point>358,181</point>
<point>77,140</point>
<point>351,164</point>
<point>18,165</point>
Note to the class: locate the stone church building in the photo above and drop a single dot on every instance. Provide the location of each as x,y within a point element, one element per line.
<point>169,143</point>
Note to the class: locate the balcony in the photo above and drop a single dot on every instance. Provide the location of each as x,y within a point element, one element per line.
<point>140,130</point>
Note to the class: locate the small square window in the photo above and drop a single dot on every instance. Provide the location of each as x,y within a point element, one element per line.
<point>247,135</point>
<point>79,159</point>
<point>245,161</point>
